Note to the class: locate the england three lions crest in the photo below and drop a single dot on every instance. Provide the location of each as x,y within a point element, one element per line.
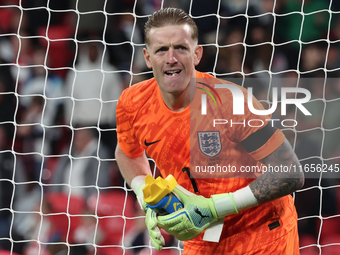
<point>210,142</point>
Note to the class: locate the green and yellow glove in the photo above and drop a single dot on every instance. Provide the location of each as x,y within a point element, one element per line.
<point>154,232</point>
<point>151,217</point>
<point>197,215</point>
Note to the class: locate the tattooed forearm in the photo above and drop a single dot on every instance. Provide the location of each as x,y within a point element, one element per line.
<point>272,185</point>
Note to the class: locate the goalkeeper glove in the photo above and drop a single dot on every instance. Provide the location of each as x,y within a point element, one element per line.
<point>198,213</point>
<point>155,235</point>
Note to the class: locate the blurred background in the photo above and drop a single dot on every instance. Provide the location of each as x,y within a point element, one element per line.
<point>63,66</point>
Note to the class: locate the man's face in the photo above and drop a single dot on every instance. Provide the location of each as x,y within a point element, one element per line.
<point>172,54</point>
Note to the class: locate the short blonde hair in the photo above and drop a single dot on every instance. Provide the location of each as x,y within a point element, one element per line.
<point>169,16</point>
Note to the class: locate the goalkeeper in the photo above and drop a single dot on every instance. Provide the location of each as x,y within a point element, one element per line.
<point>251,214</point>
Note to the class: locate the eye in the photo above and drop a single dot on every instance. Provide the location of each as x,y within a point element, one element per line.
<point>182,47</point>
<point>162,49</point>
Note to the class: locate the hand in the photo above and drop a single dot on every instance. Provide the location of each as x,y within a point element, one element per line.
<point>154,232</point>
<point>198,213</point>
<point>151,217</point>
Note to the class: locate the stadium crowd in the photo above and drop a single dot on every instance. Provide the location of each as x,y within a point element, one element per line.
<point>58,98</point>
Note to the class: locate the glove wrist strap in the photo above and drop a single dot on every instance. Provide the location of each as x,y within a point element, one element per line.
<point>224,204</point>
<point>244,198</point>
<point>137,185</point>
<point>231,203</point>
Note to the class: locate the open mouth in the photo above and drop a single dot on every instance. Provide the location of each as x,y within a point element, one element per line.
<point>172,73</point>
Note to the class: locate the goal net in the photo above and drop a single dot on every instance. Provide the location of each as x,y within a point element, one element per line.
<point>63,66</point>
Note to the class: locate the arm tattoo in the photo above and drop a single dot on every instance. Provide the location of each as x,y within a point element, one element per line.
<point>273,185</point>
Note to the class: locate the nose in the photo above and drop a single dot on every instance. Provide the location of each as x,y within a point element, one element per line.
<point>171,59</point>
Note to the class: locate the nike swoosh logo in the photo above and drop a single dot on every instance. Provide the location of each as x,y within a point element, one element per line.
<point>148,144</point>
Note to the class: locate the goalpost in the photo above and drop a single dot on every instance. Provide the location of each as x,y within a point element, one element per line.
<point>51,54</point>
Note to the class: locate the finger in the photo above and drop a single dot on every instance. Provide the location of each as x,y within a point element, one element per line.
<point>155,233</point>
<point>172,219</point>
<point>158,243</point>
<point>157,239</point>
<point>151,219</point>
<point>179,229</point>
<point>158,236</point>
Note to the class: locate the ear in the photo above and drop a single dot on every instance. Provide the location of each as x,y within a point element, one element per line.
<point>147,57</point>
<point>198,54</point>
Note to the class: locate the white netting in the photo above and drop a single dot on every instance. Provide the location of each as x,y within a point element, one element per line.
<point>63,65</point>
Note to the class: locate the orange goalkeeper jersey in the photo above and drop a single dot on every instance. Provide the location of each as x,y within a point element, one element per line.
<point>198,151</point>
